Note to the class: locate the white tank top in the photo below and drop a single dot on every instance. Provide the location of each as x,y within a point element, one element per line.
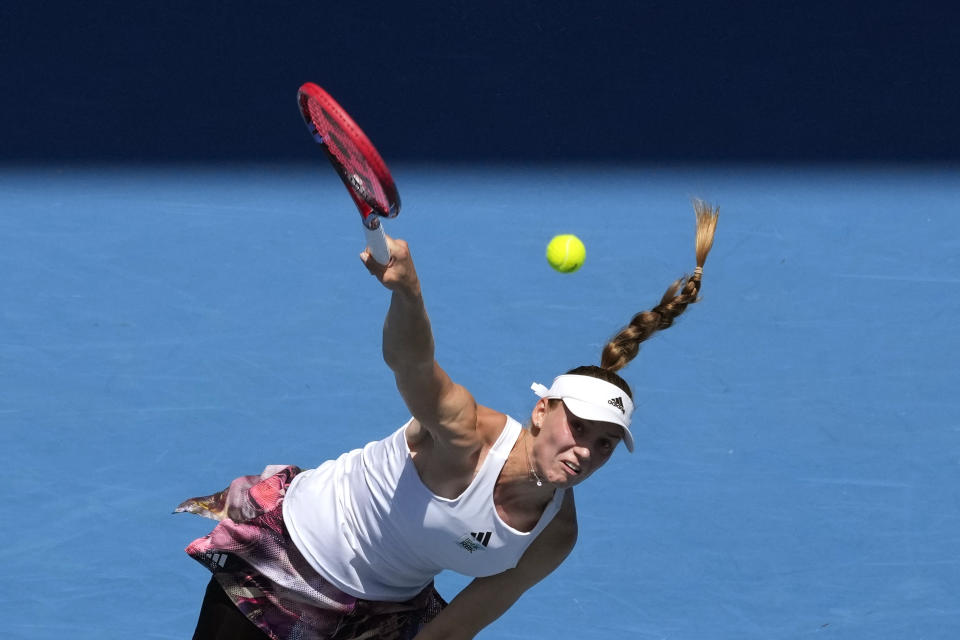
<point>368,524</point>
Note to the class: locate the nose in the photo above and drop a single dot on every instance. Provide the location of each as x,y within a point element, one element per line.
<point>583,453</point>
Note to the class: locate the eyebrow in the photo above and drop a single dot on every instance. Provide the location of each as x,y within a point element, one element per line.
<point>617,435</point>
<point>570,414</point>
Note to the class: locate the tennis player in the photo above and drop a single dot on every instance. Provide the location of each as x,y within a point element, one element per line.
<point>350,549</point>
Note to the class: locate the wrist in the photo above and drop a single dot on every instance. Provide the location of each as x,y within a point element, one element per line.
<point>409,296</point>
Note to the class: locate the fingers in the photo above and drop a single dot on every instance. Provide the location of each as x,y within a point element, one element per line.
<point>374,267</point>
<point>399,273</point>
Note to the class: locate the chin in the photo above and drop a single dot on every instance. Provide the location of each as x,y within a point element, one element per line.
<point>571,481</point>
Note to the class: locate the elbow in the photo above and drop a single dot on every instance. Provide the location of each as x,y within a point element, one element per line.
<point>408,355</point>
<point>400,360</point>
<point>408,367</point>
<point>391,357</point>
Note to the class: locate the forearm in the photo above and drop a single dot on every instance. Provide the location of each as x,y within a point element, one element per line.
<point>473,609</point>
<point>450,625</point>
<point>437,631</point>
<point>407,335</point>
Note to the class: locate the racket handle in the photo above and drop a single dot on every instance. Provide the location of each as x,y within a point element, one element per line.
<point>377,243</point>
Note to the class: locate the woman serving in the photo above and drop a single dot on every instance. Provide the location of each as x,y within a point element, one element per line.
<point>349,550</point>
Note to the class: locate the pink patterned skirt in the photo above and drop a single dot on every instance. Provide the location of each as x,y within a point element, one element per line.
<point>258,566</point>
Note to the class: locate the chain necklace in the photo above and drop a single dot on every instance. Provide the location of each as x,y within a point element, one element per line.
<point>534,477</point>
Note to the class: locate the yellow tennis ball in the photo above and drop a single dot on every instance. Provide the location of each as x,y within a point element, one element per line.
<point>566,253</point>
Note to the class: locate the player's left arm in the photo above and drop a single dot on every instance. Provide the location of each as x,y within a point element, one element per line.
<point>486,599</point>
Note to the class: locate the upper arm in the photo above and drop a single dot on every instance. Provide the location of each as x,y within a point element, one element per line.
<point>486,599</point>
<point>444,408</point>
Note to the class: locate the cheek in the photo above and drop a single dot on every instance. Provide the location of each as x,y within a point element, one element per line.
<point>601,457</point>
<point>545,444</point>
<point>555,439</point>
<point>556,432</point>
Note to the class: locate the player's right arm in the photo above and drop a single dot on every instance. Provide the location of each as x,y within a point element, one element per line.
<point>445,409</point>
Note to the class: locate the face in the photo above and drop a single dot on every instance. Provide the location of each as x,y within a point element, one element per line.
<point>566,449</point>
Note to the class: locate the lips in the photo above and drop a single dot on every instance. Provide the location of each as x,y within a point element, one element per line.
<point>571,468</point>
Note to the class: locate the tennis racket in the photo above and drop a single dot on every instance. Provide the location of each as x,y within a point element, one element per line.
<point>356,161</point>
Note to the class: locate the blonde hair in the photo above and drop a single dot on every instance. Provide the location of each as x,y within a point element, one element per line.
<point>625,345</point>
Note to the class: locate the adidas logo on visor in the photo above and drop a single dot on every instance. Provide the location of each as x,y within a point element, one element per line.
<point>589,398</point>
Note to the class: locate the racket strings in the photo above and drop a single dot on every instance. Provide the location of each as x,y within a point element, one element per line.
<point>352,164</point>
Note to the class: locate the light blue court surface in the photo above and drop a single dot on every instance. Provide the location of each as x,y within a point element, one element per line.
<point>798,468</point>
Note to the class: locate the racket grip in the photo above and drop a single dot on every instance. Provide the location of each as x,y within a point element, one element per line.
<point>377,243</point>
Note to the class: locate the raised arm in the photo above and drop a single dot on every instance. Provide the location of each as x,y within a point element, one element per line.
<point>445,409</point>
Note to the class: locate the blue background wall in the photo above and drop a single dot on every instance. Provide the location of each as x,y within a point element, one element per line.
<point>520,80</point>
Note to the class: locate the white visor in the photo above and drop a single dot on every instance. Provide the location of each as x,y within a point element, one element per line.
<point>591,398</point>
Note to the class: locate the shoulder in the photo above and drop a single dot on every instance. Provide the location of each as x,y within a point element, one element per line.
<point>448,460</point>
<point>564,528</point>
<point>474,433</point>
<point>553,545</point>
<point>560,536</point>
<point>490,424</point>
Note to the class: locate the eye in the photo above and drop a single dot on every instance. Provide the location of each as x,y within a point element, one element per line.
<point>577,427</point>
<point>605,445</point>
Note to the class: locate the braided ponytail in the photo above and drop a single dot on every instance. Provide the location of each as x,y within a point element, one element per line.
<point>624,346</point>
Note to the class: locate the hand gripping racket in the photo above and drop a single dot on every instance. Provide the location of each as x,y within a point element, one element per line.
<point>353,156</point>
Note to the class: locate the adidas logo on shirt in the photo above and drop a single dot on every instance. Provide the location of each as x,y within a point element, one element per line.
<point>483,537</point>
<point>476,541</point>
